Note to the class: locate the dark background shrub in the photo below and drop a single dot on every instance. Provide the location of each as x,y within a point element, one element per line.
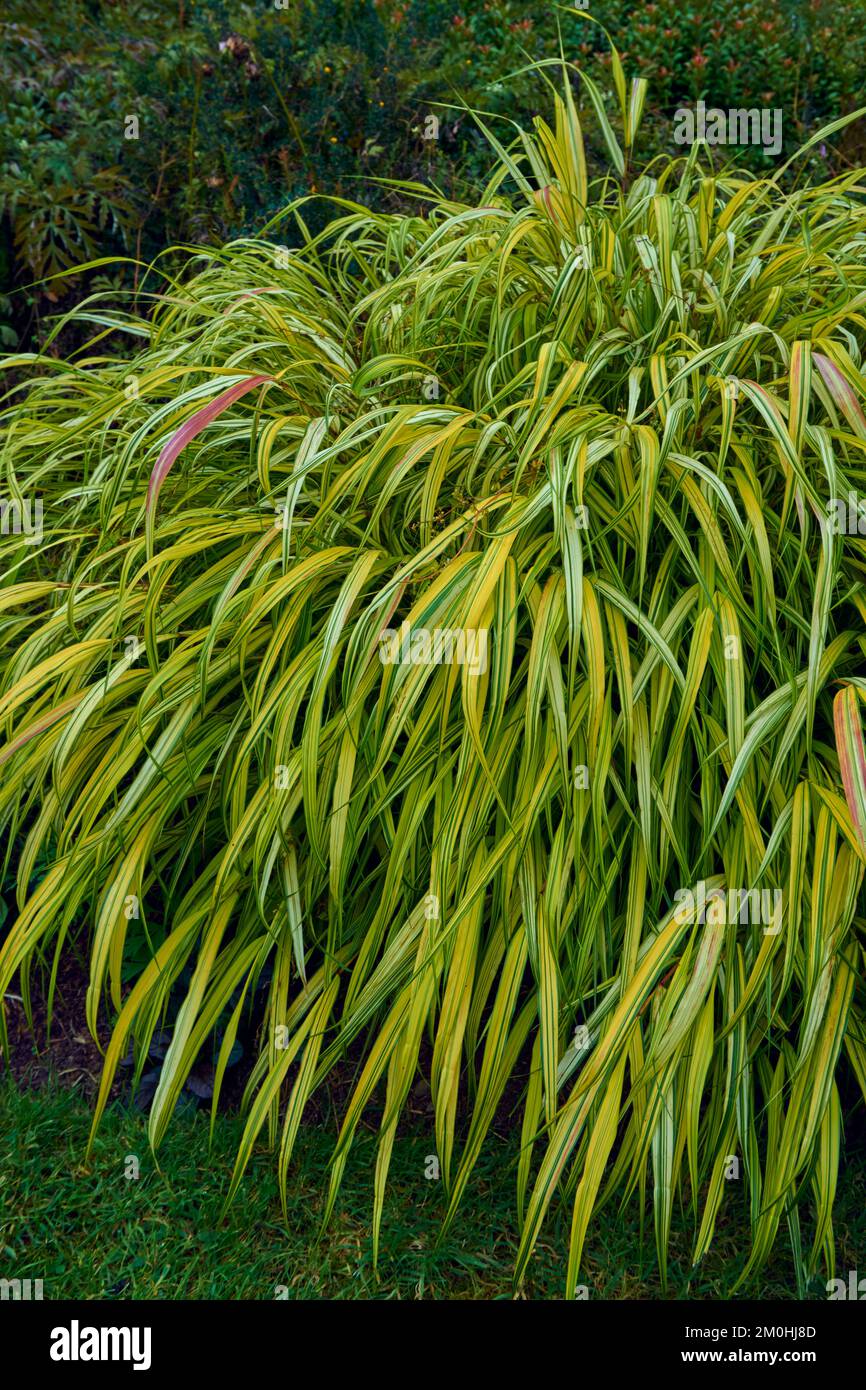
<point>242,108</point>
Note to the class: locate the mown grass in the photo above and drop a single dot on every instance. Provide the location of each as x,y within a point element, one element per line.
<point>89,1232</point>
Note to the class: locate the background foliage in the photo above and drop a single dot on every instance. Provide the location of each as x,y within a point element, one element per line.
<point>243,106</point>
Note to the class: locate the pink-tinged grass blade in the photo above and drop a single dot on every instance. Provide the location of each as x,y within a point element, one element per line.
<point>251,294</point>
<point>187,432</point>
<point>842,393</point>
<point>40,725</point>
<point>852,758</point>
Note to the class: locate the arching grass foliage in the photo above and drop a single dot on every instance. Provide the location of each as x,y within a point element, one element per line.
<point>600,433</point>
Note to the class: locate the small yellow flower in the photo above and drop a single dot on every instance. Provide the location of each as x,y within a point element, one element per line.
<point>327,69</point>
<point>381,103</point>
<point>333,139</point>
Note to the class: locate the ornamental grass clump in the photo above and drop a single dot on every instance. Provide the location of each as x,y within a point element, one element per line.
<point>605,856</point>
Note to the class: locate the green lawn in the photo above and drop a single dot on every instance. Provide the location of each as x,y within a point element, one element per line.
<point>94,1233</point>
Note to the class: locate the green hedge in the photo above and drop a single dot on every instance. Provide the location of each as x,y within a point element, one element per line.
<point>242,108</point>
